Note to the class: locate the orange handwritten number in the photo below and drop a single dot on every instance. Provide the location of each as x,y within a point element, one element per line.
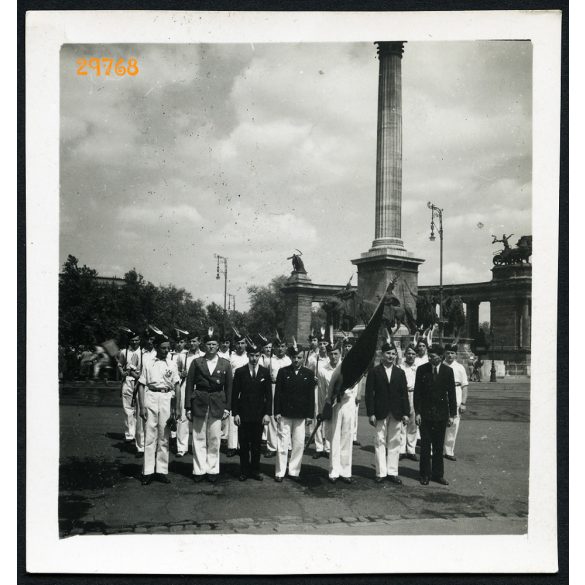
<point>81,64</point>
<point>132,67</point>
<point>109,63</point>
<point>94,64</point>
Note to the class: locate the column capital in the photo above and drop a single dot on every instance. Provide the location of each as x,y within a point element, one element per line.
<point>390,48</point>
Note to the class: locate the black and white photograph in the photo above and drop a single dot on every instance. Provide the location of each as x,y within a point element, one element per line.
<point>285,281</point>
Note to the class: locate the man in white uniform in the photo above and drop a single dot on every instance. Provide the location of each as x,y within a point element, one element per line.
<point>238,359</point>
<point>183,363</point>
<point>421,353</point>
<point>409,430</point>
<point>461,386</point>
<point>129,360</point>
<point>316,363</point>
<point>157,382</point>
<point>278,360</point>
<point>341,426</point>
<point>265,356</point>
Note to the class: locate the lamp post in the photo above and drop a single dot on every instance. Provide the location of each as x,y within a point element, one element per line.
<point>437,213</point>
<point>223,260</point>
<point>493,368</point>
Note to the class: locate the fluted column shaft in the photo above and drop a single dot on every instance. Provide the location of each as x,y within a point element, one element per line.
<point>389,148</point>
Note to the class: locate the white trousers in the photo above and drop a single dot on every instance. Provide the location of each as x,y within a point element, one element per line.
<point>272,428</point>
<point>451,432</point>
<point>387,446</point>
<point>156,435</point>
<point>232,439</point>
<point>183,433</point>
<point>129,410</point>
<point>206,442</point>
<point>290,430</point>
<point>355,422</point>
<point>139,431</point>
<point>408,431</point>
<point>342,425</point>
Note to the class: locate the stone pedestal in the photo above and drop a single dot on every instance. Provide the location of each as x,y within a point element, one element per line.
<point>377,268</point>
<point>298,299</point>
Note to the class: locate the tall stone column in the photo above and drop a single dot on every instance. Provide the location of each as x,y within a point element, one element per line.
<point>389,149</point>
<point>388,257</point>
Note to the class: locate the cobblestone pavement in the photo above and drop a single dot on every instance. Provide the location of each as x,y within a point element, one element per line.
<point>100,491</point>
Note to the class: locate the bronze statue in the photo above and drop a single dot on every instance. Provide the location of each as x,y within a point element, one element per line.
<point>521,253</point>
<point>297,263</point>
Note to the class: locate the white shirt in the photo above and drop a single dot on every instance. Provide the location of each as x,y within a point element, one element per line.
<point>459,373</point>
<point>224,354</point>
<point>212,363</point>
<point>159,374</point>
<point>388,372</point>
<point>184,361</point>
<point>276,364</point>
<point>253,370</point>
<point>410,372</point>
<point>419,361</point>
<point>237,361</point>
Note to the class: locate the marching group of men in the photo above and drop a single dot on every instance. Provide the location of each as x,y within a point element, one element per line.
<point>266,392</point>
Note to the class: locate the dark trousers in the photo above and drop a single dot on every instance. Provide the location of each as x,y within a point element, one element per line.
<point>432,434</point>
<point>250,436</point>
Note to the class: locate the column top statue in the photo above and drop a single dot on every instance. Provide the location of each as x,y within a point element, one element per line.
<point>390,48</point>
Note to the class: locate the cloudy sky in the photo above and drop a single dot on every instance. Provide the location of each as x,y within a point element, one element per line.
<point>251,151</point>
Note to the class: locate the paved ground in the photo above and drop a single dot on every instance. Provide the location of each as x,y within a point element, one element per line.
<point>100,491</point>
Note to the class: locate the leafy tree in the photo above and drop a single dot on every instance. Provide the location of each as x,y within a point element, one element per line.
<point>267,307</point>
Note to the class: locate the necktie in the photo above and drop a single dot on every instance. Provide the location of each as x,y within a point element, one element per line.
<point>435,372</point>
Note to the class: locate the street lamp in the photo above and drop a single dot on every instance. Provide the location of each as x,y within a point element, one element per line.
<point>493,368</point>
<point>223,260</point>
<point>437,213</point>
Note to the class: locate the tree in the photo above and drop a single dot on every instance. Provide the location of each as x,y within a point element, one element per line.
<point>267,307</point>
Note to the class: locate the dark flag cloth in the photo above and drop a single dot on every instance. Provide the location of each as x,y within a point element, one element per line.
<point>360,355</point>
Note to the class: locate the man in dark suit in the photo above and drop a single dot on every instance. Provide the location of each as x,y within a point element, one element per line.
<point>387,409</point>
<point>294,405</point>
<point>208,394</point>
<point>251,409</point>
<point>435,405</point>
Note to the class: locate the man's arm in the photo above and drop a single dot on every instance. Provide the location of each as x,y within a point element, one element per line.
<point>404,403</point>
<point>277,392</point>
<point>229,381</point>
<point>141,406</point>
<point>451,393</point>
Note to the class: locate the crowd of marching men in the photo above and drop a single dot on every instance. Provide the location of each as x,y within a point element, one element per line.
<point>262,396</point>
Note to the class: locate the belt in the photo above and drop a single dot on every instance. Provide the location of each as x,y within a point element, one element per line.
<point>162,390</point>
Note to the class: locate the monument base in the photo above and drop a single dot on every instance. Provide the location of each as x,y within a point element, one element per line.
<point>379,266</point>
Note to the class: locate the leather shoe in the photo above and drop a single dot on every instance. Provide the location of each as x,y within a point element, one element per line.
<point>198,478</point>
<point>317,455</point>
<point>257,477</point>
<point>347,480</point>
<point>180,454</point>
<point>146,479</point>
<point>440,480</point>
<point>357,443</point>
<point>243,477</point>
<point>412,456</point>
<point>139,455</point>
<point>450,457</point>
<point>332,480</point>
<point>401,456</point>
<point>278,479</point>
<point>212,477</point>
<point>163,478</point>
<point>394,479</point>
<point>270,454</point>
<point>379,479</point>
<point>424,481</point>
<point>231,453</point>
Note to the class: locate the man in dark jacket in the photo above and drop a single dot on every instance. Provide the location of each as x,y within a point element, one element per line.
<point>294,405</point>
<point>208,394</point>
<point>251,409</point>
<point>435,405</point>
<point>388,409</point>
